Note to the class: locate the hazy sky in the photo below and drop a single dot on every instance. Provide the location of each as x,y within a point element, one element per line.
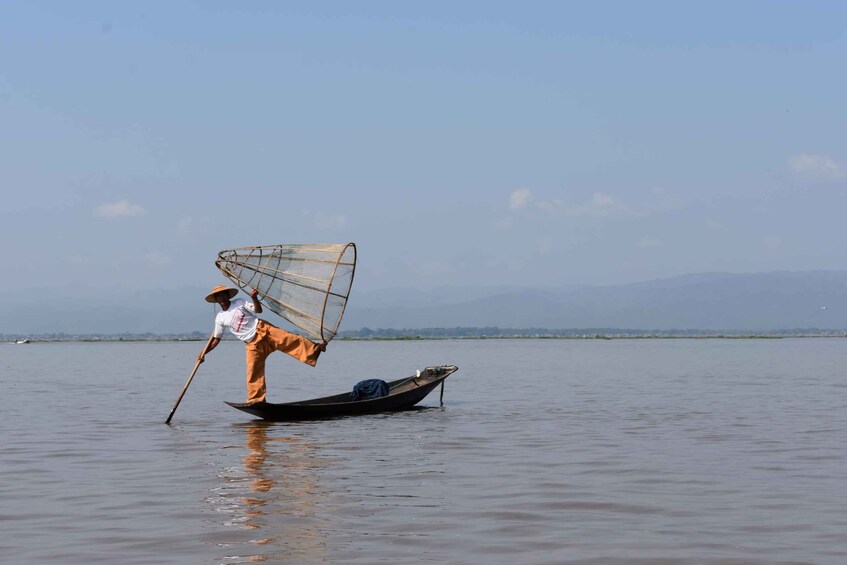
<point>457,143</point>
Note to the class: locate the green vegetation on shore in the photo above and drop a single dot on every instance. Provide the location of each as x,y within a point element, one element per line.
<point>389,334</point>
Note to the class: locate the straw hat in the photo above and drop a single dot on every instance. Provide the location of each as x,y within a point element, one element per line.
<point>221,288</point>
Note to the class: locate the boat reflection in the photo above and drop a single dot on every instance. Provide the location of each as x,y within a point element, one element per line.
<point>275,496</point>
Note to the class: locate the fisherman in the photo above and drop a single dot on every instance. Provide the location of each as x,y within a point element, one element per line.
<point>259,337</point>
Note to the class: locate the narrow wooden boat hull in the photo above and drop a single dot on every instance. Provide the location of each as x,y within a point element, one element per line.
<point>402,395</point>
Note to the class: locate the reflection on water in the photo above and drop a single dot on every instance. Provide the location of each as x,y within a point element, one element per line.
<point>547,451</point>
<point>274,495</point>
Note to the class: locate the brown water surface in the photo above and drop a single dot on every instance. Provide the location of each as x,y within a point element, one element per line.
<point>546,451</point>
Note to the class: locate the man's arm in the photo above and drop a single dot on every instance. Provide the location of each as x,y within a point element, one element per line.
<point>213,343</point>
<point>257,306</point>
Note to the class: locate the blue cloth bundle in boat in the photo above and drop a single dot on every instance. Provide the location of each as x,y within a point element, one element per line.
<point>371,388</point>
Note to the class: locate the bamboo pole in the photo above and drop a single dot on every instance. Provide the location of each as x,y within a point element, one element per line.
<point>188,382</point>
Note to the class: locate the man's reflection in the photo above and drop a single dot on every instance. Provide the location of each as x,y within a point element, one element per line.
<point>281,493</point>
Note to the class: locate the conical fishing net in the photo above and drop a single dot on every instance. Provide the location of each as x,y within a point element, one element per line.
<point>307,284</point>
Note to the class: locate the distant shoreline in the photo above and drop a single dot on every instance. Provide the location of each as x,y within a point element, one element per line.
<point>436,334</point>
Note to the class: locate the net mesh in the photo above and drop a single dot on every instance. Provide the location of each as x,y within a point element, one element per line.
<point>307,284</point>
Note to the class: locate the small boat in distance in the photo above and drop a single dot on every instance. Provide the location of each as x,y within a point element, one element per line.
<point>402,395</point>
<point>20,341</point>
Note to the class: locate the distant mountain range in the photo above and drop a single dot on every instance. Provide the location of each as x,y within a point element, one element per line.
<point>710,301</point>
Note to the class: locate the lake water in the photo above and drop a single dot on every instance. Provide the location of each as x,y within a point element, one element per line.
<point>545,451</point>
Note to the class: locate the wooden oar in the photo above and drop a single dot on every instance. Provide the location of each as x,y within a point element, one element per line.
<point>188,382</point>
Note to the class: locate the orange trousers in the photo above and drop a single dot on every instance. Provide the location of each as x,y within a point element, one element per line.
<point>270,338</point>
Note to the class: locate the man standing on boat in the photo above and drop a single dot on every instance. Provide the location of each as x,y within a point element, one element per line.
<point>260,337</point>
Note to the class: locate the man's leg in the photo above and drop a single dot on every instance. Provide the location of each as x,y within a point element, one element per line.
<point>257,351</point>
<point>299,347</point>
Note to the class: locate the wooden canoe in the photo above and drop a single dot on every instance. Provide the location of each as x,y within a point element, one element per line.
<point>402,394</point>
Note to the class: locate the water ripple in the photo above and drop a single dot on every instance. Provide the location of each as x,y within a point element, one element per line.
<point>547,451</point>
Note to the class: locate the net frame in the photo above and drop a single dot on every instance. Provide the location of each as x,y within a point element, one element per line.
<point>261,267</point>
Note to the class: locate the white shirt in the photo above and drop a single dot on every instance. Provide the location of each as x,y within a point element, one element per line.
<point>240,318</point>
